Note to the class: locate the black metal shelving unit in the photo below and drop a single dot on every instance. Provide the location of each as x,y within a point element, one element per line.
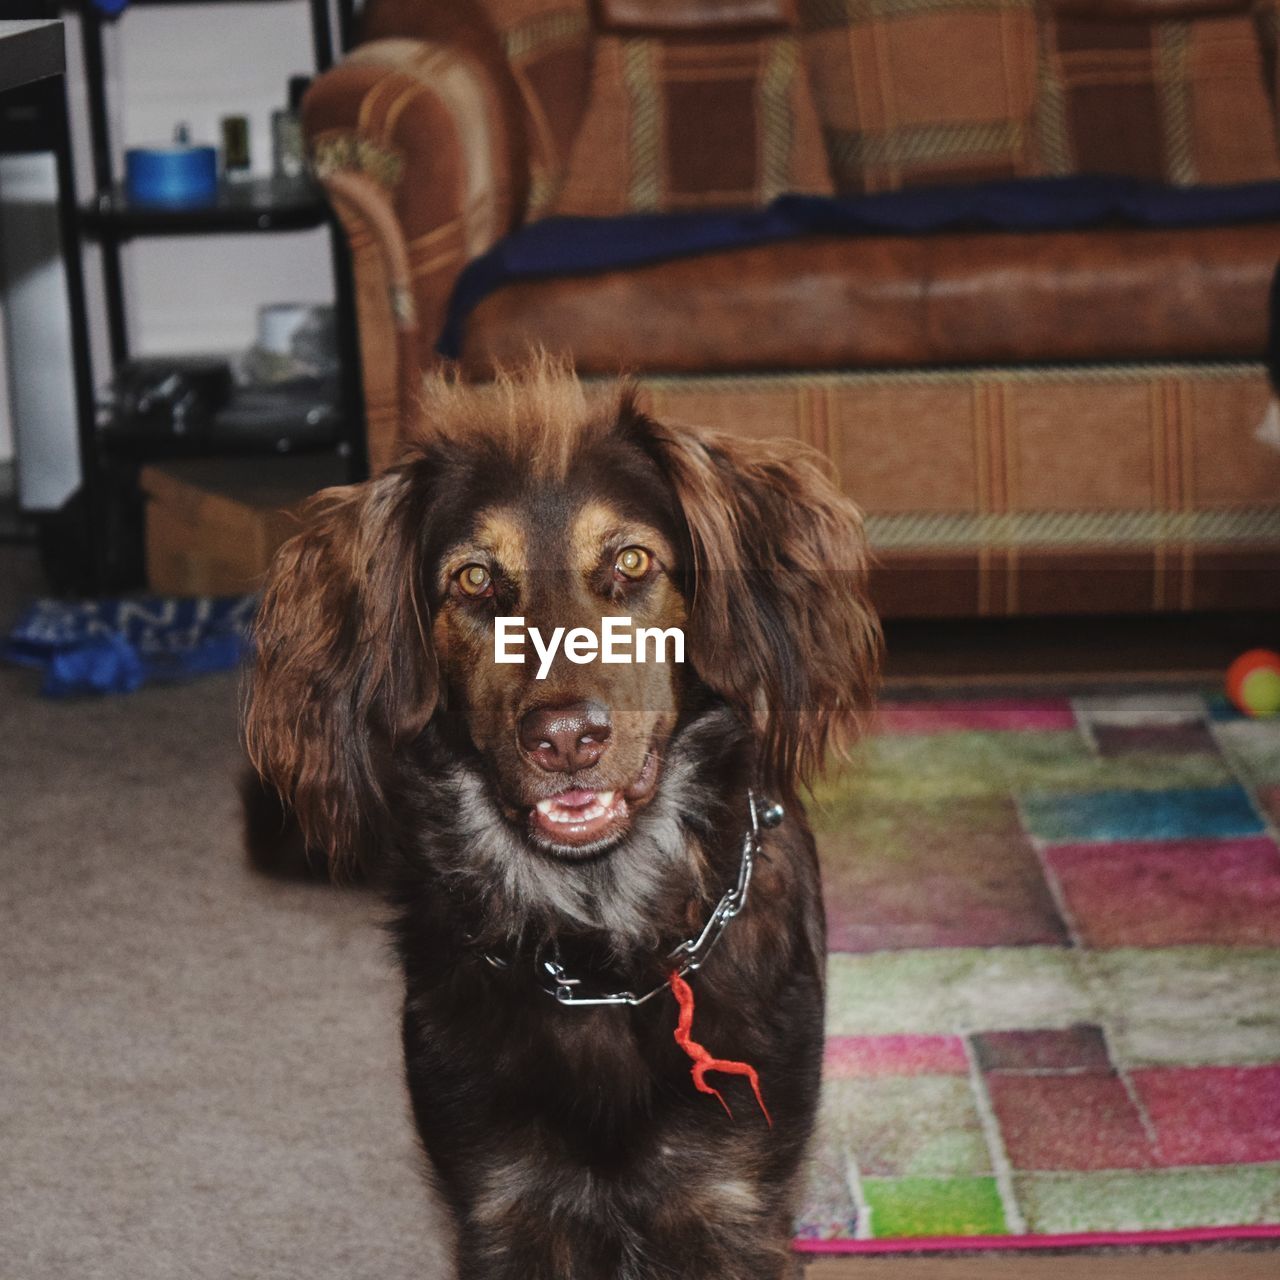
<point>260,205</point>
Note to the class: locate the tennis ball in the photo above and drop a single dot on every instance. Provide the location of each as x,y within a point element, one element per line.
<point>1253,683</point>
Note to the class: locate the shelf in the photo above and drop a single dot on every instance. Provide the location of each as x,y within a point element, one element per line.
<point>119,445</point>
<point>262,423</point>
<point>263,204</point>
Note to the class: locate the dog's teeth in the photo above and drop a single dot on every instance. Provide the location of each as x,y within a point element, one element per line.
<point>554,811</point>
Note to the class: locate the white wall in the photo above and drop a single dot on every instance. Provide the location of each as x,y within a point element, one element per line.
<point>196,63</point>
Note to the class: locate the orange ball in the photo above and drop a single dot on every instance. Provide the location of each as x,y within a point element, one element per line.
<point>1253,683</point>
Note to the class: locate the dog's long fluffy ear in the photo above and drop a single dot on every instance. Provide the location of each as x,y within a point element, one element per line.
<point>780,624</point>
<point>344,661</point>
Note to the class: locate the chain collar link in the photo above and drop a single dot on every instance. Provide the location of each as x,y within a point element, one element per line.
<point>691,954</point>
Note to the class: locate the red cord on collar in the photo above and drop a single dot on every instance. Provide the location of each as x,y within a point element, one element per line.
<point>702,1060</point>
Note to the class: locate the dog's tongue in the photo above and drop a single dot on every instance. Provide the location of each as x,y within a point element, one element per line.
<point>576,799</point>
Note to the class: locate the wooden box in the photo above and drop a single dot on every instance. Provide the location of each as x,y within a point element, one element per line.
<point>213,524</point>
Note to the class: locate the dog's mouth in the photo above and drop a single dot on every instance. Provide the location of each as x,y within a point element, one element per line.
<point>576,817</point>
<point>580,822</point>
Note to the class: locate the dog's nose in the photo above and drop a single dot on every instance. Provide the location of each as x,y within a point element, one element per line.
<point>567,738</point>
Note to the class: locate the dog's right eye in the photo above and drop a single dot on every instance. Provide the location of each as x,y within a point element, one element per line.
<point>474,580</point>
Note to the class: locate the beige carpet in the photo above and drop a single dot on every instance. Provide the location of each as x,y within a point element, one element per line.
<point>199,1068</point>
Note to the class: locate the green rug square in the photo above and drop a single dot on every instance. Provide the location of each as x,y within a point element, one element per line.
<point>918,1127</point>
<point>913,769</point>
<point>1150,1200</point>
<point>933,1207</point>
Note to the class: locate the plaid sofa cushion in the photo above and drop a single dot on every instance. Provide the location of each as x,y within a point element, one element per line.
<point>922,91</point>
<point>1179,100</point>
<point>678,122</point>
<point>548,44</point>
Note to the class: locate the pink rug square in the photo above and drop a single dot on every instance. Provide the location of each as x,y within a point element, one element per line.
<point>1068,1122</point>
<point>868,1057</point>
<point>1165,893</point>
<point>1017,715</point>
<point>1213,1115</point>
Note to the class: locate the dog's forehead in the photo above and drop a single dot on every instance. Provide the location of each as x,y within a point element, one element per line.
<point>494,493</point>
<point>556,530</point>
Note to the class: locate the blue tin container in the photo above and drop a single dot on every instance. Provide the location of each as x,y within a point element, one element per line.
<point>177,175</point>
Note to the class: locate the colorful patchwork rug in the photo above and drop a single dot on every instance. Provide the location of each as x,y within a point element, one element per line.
<point>1054,1006</point>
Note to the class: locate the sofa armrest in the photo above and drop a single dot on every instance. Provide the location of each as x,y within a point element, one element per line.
<point>423,161</point>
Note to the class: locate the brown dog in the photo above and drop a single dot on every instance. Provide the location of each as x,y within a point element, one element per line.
<point>566,841</point>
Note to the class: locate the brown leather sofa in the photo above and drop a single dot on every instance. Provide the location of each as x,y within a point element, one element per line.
<point>1035,422</point>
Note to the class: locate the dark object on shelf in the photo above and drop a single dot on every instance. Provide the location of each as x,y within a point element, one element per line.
<point>170,395</point>
<point>289,416</point>
<point>172,419</point>
<point>237,159</point>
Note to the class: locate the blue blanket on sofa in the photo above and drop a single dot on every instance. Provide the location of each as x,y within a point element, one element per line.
<point>579,246</point>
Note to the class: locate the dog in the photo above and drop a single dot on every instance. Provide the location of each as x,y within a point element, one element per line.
<point>607,900</point>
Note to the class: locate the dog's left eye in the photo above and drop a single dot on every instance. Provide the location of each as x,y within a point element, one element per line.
<point>474,580</point>
<point>632,563</point>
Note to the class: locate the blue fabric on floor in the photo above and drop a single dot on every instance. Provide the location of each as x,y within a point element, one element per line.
<point>577,246</point>
<point>116,646</point>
